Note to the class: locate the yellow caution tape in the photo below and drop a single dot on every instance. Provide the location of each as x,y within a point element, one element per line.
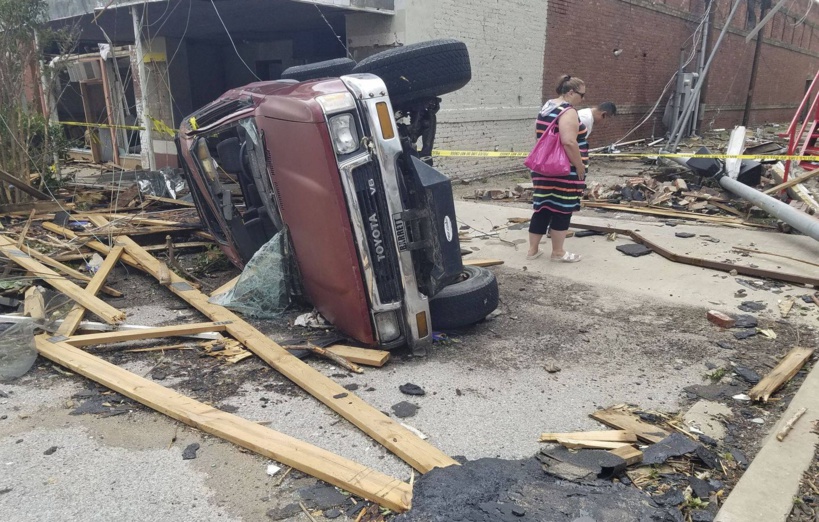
<point>162,128</point>
<point>194,125</point>
<point>99,125</point>
<point>158,125</point>
<point>495,154</point>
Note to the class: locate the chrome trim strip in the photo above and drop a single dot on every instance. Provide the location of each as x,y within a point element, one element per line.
<point>369,90</point>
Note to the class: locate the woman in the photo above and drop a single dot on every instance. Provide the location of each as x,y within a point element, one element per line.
<point>555,198</point>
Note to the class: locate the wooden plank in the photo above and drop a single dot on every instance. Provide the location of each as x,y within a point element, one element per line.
<point>103,310</point>
<point>67,270</point>
<point>624,420</point>
<point>791,182</point>
<point>605,435</point>
<point>226,287</point>
<point>781,374</point>
<point>482,262</point>
<point>365,356</point>
<point>22,186</point>
<point>171,201</point>
<point>628,453</point>
<point>74,318</point>
<point>138,231</point>
<point>34,304</point>
<point>405,444</point>
<point>591,444</point>
<point>39,206</point>
<point>348,475</point>
<point>148,333</point>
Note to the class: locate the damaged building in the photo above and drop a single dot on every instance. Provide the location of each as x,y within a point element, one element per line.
<point>191,51</point>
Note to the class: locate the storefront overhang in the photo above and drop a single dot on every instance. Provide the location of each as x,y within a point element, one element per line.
<point>64,9</point>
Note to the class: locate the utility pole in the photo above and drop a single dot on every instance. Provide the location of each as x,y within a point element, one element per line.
<point>704,51</point>
<point>763,6</point>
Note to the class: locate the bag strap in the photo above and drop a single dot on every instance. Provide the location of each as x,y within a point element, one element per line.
<point>553,123</point>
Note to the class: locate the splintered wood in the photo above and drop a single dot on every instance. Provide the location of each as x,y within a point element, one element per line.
<point>606,435</point>
<point>781,374</point>
<point>624,420</point>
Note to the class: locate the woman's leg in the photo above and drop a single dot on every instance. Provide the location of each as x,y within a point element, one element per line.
<point>559,230</point>
<point>537,229</point>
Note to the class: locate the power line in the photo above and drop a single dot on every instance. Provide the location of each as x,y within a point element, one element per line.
<point>326,21</point>
<point>231,41</point>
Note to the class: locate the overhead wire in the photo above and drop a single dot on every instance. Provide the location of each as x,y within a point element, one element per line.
<point>232,42</point>
<point>338,37</point>
<point>695,36</point>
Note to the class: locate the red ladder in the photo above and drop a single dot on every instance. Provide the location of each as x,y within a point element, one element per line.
<point>805,140</point>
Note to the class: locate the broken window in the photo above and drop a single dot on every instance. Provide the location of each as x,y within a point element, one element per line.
<point>232,162</point>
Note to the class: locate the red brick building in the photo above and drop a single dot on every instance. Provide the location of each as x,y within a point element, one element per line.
<point>628,50</point>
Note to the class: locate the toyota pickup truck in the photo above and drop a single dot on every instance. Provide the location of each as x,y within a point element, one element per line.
<point>329,154</point>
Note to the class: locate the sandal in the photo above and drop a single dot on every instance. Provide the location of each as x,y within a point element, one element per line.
<point>568,257</point>
<point>535,255</point>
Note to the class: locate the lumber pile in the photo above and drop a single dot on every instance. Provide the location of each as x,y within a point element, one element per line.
<point>29,253</point>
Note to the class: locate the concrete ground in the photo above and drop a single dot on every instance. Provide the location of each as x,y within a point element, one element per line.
<point>621,329</point>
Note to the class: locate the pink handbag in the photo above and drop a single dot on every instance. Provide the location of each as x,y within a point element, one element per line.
<point>549,158</point>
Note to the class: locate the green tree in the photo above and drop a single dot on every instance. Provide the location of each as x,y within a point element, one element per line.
<point>28,144</point>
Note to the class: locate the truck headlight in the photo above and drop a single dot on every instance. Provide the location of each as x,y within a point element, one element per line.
<point>344,133</point>
<point>387,325</point>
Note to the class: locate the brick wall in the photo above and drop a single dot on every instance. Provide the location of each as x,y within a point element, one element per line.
<point>581,39</point>
<point>515,69</point>
<point>496,110</point>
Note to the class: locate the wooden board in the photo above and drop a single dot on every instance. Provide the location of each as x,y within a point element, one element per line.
<point>591,444</point>
<point>365,356</point>
<point>21,185</point>
<point>67,270</point>
<point>628,453</point>
<point>74,318</point>
<point>147,333</point>
<point>103,310</point>
<point>624,420</point>
<point>405,444</point>
<point>781,374</point>
<point>606,435</point>
<point>482,262</point>
<point>170,201</point>
<point>348,475</point>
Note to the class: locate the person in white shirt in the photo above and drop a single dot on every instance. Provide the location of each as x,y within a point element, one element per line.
<point>590,116</point>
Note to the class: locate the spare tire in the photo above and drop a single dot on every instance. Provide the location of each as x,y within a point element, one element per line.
<point>325,69</point>
<point>466,302</point>
<point>420,71</point>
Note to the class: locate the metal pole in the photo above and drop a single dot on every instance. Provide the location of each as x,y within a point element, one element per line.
<point>703,50</point>
<point>677,134</point>
<point>675,102</point>
<point>749,100</point>
<point>146,136</point>
<point>799,220</point>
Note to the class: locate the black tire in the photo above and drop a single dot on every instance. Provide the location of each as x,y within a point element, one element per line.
<point>325,69</point>
<point>465,302</point>
<point>420,71</point>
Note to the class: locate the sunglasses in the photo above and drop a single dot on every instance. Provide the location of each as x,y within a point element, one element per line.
<point>582,94</point>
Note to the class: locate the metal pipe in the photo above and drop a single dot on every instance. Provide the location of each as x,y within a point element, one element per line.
<point>676,135</point>
<point>799,220</point>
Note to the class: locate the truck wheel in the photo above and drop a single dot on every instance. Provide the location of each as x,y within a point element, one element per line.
<point>465,302</point>
<point>420,71</point>
<point>325,69</point>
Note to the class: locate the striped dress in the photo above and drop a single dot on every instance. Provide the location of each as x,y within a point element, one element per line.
<point>561,195</point>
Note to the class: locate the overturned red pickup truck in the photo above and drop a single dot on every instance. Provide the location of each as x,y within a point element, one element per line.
<point>334,161</point>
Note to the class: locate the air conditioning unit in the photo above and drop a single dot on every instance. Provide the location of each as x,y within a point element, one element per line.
<point>83,71</point>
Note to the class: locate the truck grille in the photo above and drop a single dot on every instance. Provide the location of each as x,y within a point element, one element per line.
<point>372,201</point>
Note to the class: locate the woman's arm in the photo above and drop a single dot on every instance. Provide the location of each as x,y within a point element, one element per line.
<point>569,126</point>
